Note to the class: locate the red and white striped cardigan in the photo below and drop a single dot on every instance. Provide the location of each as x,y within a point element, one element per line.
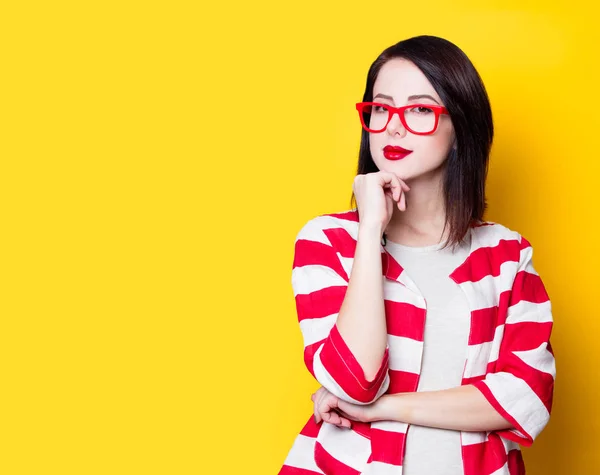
<point>508,357</point>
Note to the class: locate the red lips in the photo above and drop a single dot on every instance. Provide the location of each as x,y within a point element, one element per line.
<point>395,153</point>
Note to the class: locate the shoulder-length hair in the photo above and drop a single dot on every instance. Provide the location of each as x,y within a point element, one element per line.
<point>461,89</point>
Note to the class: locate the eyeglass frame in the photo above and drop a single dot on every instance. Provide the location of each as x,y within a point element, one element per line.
<point>438,110</point>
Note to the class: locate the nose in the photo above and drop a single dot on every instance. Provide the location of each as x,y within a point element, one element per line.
<point>395,126</point>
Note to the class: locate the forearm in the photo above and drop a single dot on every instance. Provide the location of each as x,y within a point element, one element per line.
<point>361,320</point>
<point>462,408</point>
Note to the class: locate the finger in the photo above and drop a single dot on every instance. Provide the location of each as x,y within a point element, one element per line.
<point>314,396</point>
<point>322,397</point>
<point>340,420</point>
<point>390,179</point>
<point>316,400</point>
<point>319,394</point>
<point>395,186</point>
<point>390,195</point>
<point>390,182</point>
<point>400,187</point>
<point>316,413</point>
<point>326,416</point>
<point>345,415</point>
<point>328,403</point>
<point>402,202</point>
<point>336,419</point>
<point>327,407</point>
<point>346,422</point>
<point>322,406</point>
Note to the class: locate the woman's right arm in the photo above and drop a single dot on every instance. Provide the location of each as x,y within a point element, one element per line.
<point>342,317</point>
<point>361,321</point>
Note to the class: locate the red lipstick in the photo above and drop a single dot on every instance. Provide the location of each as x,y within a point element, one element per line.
<point>395,153</point>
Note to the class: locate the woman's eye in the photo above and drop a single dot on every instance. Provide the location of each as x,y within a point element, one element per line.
<point>421,110</point>
<point>379,109</point>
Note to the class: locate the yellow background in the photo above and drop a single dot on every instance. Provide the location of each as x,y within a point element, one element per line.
<point>157,161</point>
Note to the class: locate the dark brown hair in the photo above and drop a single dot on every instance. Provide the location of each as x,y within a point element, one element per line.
<point>461,89</point>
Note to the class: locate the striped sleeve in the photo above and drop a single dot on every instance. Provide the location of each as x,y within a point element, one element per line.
<point>319,282</point>
<point>522,386</point>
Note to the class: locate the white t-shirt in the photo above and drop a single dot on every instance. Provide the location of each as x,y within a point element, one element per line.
<point>431,451</point>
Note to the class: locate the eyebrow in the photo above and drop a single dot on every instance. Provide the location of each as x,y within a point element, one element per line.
<point>410,98</point>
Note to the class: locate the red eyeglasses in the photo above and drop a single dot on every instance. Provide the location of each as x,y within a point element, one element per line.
<point>419,119</point>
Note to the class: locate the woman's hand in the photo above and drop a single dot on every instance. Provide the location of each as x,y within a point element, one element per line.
<point>325,405</point>
<point>330,408</point>
<point>376,195</point>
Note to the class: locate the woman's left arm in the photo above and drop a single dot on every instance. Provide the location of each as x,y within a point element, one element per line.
<point>462,408</point>
<point>521,387</point>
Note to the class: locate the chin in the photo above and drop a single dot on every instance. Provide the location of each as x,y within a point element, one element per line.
<point>398,168</point>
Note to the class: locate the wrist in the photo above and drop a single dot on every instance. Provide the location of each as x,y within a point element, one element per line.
<point>392,407</point>
<point>370,231</point>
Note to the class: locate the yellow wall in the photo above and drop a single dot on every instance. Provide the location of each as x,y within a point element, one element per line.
<point>158,159</point>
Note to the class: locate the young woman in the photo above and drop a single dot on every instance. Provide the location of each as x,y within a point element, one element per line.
<point>427,328</point>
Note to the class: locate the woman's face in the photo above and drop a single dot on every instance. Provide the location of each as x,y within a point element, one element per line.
<point>398,81</point>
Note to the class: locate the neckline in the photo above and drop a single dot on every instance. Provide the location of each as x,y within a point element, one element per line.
<point>392,269</point>
<point>430,247</point>
<point>404,247</point>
